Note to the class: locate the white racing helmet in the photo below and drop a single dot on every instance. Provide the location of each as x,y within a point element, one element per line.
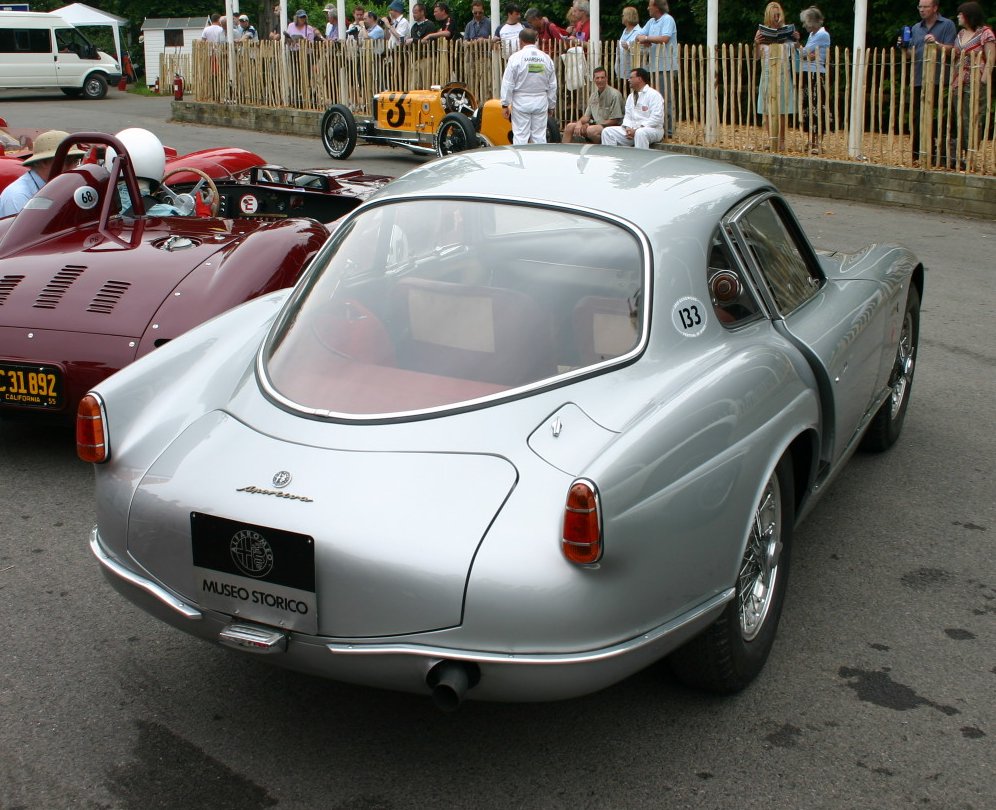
<point>146,152</point>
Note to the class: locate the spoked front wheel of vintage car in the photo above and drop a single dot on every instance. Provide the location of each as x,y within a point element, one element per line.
<point>455,134</point>
<point>887,423</point>
<point>339,131</point>
<point>730,653</point>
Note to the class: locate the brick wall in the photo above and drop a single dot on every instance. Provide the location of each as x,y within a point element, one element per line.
<point>262,119</point>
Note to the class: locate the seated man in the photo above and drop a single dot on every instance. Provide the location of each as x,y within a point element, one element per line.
<point>643,123</point>
<point>39,164</point>
<point>605,109</point>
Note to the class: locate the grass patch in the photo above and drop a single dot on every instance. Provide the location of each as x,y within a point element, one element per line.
<point>142,89</point>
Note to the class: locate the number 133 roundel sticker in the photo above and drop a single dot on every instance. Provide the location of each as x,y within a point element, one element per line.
<point>689,316</point>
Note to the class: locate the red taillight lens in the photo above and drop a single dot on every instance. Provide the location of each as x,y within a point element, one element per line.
<point>91,430</point>
<point>582,524</point>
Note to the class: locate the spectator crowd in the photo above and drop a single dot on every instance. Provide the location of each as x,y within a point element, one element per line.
<point>791,87</point>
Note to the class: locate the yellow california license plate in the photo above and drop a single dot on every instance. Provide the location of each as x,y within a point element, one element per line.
<point>26,385</point>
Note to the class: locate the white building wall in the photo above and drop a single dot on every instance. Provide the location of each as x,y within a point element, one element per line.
<point>155,46</point>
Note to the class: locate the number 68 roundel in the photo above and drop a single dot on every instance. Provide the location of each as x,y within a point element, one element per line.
<point>86,197</point>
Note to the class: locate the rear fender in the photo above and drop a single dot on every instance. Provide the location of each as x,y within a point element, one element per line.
<point>153,400</point>
<point>678,486</point>
<point>494,126</point>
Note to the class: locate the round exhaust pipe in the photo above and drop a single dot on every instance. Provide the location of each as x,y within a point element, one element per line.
<point>449,682</point>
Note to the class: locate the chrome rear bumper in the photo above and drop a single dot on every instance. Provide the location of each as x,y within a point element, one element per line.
<point>403,666</point>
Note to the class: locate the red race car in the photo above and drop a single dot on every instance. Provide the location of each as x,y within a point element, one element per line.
<point>86,287</point>
<point>219,163</point>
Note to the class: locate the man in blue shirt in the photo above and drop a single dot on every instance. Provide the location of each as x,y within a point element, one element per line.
<point>933,29</point>
<point>660,33</point>
<point>479,26</point>
<point>14,197</point>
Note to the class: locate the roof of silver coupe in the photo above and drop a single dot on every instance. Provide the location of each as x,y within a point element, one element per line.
<point>646,187</point>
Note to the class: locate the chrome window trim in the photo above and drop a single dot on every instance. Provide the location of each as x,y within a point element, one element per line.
<point>324,256</point>
<point>733,222</point>
<point>763,310</point>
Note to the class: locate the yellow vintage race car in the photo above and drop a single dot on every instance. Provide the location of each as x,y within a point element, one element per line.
<point>437,121</point>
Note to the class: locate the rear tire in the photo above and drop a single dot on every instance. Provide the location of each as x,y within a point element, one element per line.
<point>338,131</point>
<point>456,133</point>
<point>95,86</point>
<point>887,424</point>
<point>730,653</point>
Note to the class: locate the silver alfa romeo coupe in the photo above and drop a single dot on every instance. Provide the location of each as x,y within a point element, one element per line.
<point>532,419</point>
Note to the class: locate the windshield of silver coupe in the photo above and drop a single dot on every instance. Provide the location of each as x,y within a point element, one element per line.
<point>428,304</point>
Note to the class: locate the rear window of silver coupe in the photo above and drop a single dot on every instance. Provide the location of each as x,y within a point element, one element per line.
<point>426,304</point>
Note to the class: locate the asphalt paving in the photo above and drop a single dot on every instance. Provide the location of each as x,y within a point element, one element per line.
<point>879,691</point>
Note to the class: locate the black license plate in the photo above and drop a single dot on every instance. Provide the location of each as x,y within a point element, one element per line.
<point>30,385</point>
<point>255,572</point>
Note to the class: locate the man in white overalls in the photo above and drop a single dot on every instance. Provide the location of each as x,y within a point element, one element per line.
<point>528,90</point>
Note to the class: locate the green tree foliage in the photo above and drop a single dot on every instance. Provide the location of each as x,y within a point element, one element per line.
<point>737,21</point>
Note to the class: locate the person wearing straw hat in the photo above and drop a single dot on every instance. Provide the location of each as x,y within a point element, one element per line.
<point>39,164</point>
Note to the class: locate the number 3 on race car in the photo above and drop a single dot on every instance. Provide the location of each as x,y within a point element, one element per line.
<point>396,114</point>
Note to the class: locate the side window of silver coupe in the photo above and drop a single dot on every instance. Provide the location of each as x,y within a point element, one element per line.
<point>783,265</point>
<point>732,298</point>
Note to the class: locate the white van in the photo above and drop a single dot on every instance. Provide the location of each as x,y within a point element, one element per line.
<point>43,50</point>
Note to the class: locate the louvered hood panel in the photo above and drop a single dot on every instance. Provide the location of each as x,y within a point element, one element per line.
<point>102,293</point>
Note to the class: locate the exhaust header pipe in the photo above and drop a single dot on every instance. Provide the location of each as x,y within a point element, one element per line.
<point>449,682</point>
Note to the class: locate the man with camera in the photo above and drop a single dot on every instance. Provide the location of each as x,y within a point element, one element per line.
<point>396,24</point>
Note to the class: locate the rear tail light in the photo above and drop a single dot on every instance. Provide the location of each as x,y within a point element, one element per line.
<point>91,430</point>
<point>582,524</point>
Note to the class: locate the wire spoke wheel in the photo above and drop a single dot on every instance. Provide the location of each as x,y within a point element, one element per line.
<point>759,568</point>
<point>902,373</point>
<point>730,653</point>
<point>338,131</point>
<point>887,424</point>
